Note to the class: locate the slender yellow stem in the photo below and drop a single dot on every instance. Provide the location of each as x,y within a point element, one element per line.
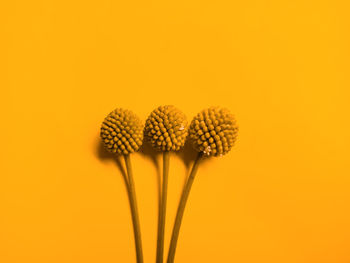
<point>181,209</point>
<point>134,210</point>
<point>162,208</point>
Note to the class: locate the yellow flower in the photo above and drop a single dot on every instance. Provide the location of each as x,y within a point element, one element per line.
<point>166,128</point>
<point>213,131</point>
<point>122,132</point>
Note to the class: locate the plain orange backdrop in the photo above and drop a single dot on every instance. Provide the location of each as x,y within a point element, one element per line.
<point>282,67</point>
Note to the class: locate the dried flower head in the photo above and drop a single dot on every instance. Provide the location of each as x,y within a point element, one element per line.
<point>213,131</point>
<point>166,128</point>
<point>122,132</point>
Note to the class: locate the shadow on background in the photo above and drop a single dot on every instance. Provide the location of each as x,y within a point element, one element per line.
<point>148,152</point>
<point>187,154</point>
<point>103,155</point>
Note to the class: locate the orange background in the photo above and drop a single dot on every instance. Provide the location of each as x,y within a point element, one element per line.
<point>281,195</point>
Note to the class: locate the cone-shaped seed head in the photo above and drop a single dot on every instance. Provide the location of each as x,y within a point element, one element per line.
<point>166,128</point>
<point>122,132</point>
<point>213,131</point>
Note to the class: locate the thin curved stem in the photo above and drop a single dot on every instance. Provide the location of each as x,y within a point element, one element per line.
<point>162,208</point>
<point>134,210</point>
<point>181,209</point>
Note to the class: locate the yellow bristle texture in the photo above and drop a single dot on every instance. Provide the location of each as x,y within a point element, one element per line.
<point>213,131</point>
<point>122,132</point>
<point>166,128</point>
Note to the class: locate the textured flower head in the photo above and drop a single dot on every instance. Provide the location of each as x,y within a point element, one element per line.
<point>213,131</point>
<point>122,132</point>
<point>166,128</point>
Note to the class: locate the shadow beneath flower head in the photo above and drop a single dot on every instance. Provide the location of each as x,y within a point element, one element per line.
<point>149,152</point>
<point>104,155</point>
<point>146,150</point>
<point>188,155</point>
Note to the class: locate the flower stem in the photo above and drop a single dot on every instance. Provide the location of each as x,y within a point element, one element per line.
<point>181,208</point>
<point>162,208</point>
<point>134,210</point>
